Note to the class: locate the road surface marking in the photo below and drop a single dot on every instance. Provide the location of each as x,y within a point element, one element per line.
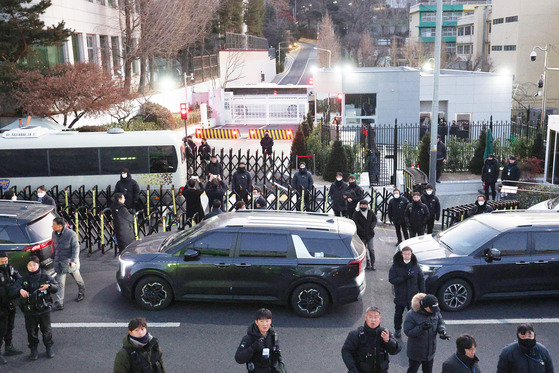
<point>112,324</point>
<point>502,321</point>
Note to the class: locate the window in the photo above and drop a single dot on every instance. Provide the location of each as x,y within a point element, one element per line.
<point>11,235</point>
<point>450,48</point>
<point>468,49</point>
<point>162,159</point>
<point>23,163</point>
<point>497,21</point>
<point>469,30</point>
<point>460,239</point>
<point>76,161</point>
<point>511,19</point>
<point>460,49</point>
<point>105,52</point>
<point>362,104</point>
<point>429,17</point>
<point>263,245</point>
<point>497,48</point>
<point>460,31</point>
<point>215,244</point>
<point>451,16</point>
<point>321,247</point>
<point>135,158</point>
<point>449,31</point>
<point>77,47</point>
<point>116,52</point>
<point>546,242</point>
<point>510,48</point>
<point>91,48</point>
<point>511,244</point>
<point>428,32</point>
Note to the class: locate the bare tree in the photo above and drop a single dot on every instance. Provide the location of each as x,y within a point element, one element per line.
<point>366,54</point>
<point>328,40</point>
<point>234,66</point>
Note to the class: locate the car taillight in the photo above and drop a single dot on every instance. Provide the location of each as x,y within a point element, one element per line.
<point>355,266</point>
<point>37,246</point>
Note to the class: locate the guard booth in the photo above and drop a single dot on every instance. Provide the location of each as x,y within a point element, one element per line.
<point>551,172</point>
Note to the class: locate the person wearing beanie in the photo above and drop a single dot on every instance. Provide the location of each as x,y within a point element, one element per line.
<point>465,359</point>
<point>338,191</point>
<point>432,202</point>
<point>416,216</point>
<point>140,351</point>
<point>490,175</point>
<point>525,355</point>
<point>511,172</point>
<point>422,324</point>
<point>480,206</point>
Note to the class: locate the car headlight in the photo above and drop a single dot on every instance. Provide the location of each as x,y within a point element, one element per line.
<point>123,265</point>
<point>429,268</point>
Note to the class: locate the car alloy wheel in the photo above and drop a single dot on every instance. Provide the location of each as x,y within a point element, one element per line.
<point>153,293</point>
<point>310,300</point>
<point>456,295</point>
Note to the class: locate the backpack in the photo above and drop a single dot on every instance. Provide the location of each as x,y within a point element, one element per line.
<point>141,364</point>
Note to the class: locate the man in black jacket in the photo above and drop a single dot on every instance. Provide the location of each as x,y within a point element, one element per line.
<point>266,143</point>
<point>215,210</point>
<point>215,189</point>
<point>44,198</point>
<point>490,175</point>
<point>258,201</point>
<point>366,220</point>
<point>441,158</point>
<point>416,216</point>
<point>354,194</point>
<point>396,210</point>
<point>259,349</point>
<point>367,349</point>
<point>338,191</point>
<point>214,168</point>
<point>432,202</point>
<point>241,183</point>
<point>129,187</point>
<point>204,150</point>
<point>407,279</point>
<point>511,172</point>
<point>123,222</point>
<point>191,194</point>
<point>480,206</point>
<point>8,278</point>
<point>525,355</point>
<point>465,359</point>
<point>302,181</point>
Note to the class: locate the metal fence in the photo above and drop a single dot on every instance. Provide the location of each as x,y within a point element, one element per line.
<point>456,214</point>
<point>235,41</point>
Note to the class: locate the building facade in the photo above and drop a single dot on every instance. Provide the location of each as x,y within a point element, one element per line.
<point>472,39</point>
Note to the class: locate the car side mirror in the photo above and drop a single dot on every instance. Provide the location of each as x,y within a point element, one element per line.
<point>492,254</point>
<point>191,255</point>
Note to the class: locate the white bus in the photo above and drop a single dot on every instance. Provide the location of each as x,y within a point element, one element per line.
<point>35,156</point>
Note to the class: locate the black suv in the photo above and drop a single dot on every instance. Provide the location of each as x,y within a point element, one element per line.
<point>501,254</point>
<point>25,230</point>
<point>307,260</point>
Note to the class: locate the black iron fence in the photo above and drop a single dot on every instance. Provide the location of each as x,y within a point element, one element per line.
<point>456,214</point>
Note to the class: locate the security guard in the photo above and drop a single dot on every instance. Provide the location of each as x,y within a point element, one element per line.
<point>8,278</point>
<point>366,349</point>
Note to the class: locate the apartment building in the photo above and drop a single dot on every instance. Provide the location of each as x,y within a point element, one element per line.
<point>473,39</point>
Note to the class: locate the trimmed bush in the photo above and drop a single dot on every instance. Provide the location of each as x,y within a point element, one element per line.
<point>538,148</point>
<point>298,147</point>
<point>92,128</point>
<point>158,114</point>
<point>476,164</point>
<point>337,162</point>
<point>424,153</point>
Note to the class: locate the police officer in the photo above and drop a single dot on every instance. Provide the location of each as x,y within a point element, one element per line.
<point>416,216</point>
<point>430,200</point>
<point>8,278</point>
<point>396,209</point>
<point>366,349</point>
<point>241,183</point>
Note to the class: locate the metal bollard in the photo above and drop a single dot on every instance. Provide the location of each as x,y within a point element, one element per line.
<point>174,201</point>
<point>66,197</point>
<point>278,195</point>
<point>326,200</point>
<point>302,199</point>
<point>164,223</point>
<point>77,226</point>
<point>136,226</point>
<point>147,201</point>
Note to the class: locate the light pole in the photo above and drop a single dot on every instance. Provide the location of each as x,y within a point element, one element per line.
<point>435,107</point>
<point>279,48</point>
<point>329,54</point>
<point>186,79</point>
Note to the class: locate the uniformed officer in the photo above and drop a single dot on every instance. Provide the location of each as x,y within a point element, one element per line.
<point>8,278</point>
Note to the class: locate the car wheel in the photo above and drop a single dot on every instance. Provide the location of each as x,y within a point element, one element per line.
<point>310,300</point>
<point>153,293</point>
<point>455,295</point>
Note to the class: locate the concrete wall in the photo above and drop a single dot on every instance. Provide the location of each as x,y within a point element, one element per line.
<point>245,67</point>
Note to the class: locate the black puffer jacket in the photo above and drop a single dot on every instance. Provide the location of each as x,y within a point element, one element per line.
<point>422,343</point>
<point>241,181</point>
<point>407,279</point>
<point>416,215</point>
<point>302,180</point>
<point>518,359</point>
<point>477,209</point>
<point>490,171</point>
<point>432,202</point>
<point>511,172</point>
<point>247,353</point>
<point>215,168</point>
<point>123,223</point>
<point>8,278</point>
<point>338,190</point>
<point>397,209</point>
<point>355,193</point>
<point>131,190</point>
<point>460,363</point>
<point>267,143</point>
<point>193,202</point>
<point>215,191</point>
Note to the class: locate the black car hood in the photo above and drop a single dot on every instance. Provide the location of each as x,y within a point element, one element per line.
<point>427,248</point>
<point>149,244</point>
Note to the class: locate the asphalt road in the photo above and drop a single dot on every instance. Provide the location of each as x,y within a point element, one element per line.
<point>209,333</point>
<point>299,73</point>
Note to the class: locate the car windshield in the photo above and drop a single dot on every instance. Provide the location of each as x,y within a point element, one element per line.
<point>466,237</point>
<point>180,237</point>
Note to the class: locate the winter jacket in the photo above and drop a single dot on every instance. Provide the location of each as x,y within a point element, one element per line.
<point>215,169</point>
<point>205,151</point>
<point>432,202</point>
<point>364,350</point>
<point>422,343</point>
<point>39,301</point>
<point>215,191</point>
<point>261,201</point>
<point>416,215</point>
<point>490,171</point>
<point>213,213</point>
<point>460,363</point>
<point>511,172</point>
<point>477,209</point>
<point>193,202</point>
<point>8,279</point>
<point>131,190</point>
<point>397,209</point>
<point>518,359</point>
<point>407,279</point>
<point>441,151</point>
<point>65,246</point>
<point>247,353</point>
<point>48,200</point>
<point>302,180</point>
<point>355,193</point>
<point>365,226</point>
<point>267,143</point>
<point>241,181</point>
<point>338,190</point>
<point>132,358</point>
<point>123,223</point>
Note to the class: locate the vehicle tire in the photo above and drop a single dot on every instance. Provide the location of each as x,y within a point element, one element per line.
<point>152,293</point>
<point>455,295</point>
<point>310,300</point>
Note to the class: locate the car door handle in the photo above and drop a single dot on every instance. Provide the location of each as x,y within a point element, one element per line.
<point>222,265</point>
<point>522,263</point>
<point>541,262</point>
<point>243,265</point>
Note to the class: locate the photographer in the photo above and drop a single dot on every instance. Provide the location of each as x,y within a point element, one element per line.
<point>366,349</point>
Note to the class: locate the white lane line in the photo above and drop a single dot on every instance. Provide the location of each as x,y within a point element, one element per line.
<point>112,325</point>
<point>304,71</point>
<point>502,321</point>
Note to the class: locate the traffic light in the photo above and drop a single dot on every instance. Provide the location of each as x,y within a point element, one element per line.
<point>311,81</point>
<point>184,111</point>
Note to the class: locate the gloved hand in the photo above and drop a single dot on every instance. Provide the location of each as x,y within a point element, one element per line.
<point>443,335</point>
<point>426,325</point>
<point>258,345</point>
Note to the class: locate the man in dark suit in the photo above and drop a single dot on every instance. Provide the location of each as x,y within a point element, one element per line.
<point>44,198</point>
<point>366,220</point>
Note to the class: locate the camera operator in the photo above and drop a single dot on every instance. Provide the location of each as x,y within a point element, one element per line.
<point>366,349</point>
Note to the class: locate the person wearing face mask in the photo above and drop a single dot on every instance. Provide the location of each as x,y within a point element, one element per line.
<point>432,202</point>
<point>416,216</point>
<point>140,351</point>
<point>407,279</point>
<point>366,220</point>
<point>465,359</point>
<point>422,324</point>
<point>354,194</point>
<point>480,206</point>
<point>525,355</point>
<point>123,222</point>
<point>8,278</point>
<point>396,210</point>
<point>267,143</point>
<point>44,198</point>
<point>129,187</point>
<point>302,180</point>
<point>490,175</point>
<point>338,191</point>
<point>241,183</point>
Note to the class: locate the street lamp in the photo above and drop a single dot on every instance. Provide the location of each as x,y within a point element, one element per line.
<point>533,57</point>
<point>329,54</point>
<point>186,79</point>
<point>279,47</point>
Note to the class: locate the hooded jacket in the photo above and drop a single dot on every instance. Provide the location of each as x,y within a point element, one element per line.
<point>432,202</point>
<point>478,209</point>
<point>267,143</point>
<point>397,209</point>
<point>151,352</point>
<point>416,215</point>
<point>205,151</point>
<point>247,353</point>
<point>193,202</point>
<point>338,190</point>
<point>460,363</point>
<point>441,151</point>
<point>422,343</point>
<point>511,172</point>
<point>407,279</point>
<point>131,190</point>
<point>123,225</point>
<point>518,359</point>
<point>490,171</point>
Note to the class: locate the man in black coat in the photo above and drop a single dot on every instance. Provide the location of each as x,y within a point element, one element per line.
<point>338,191</point>
<point>215,189</point>
<point>490,175</point>
<point>44,198</point>
<point>129,187</point>
<point>8,278</point>
<point>366,220</point>
<point>241,183</point>
<point>258,201</point>
<point>215,210</point>
<point>354,194</point>
<point>416,216</point>
<point>259,348</point>
<point>214,167</point>
<point>480,206</point>
<point>525,355</point>
<point>407,279</point>
<point>432,202</point>
<point>123,222</point>
<point>396,210</point>
<point>266,143</point>
<point>204,150</point>
<point>511,172</point>
<point>465,359</point>
<point>191,194</point>
<point>302,180</point>
<point>422,325</point>
<point>441,157</point>
<point>367,349</point>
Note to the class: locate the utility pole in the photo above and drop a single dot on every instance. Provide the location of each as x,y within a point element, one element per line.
<point>435,108</point>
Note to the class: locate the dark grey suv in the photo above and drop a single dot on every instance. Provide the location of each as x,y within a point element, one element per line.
<point>307,260</point>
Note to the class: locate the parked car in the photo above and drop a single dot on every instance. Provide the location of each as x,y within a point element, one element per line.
<point>494,255</point>
<point>550,204</point>
<point>309,261</point>
<point>26,230</point>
